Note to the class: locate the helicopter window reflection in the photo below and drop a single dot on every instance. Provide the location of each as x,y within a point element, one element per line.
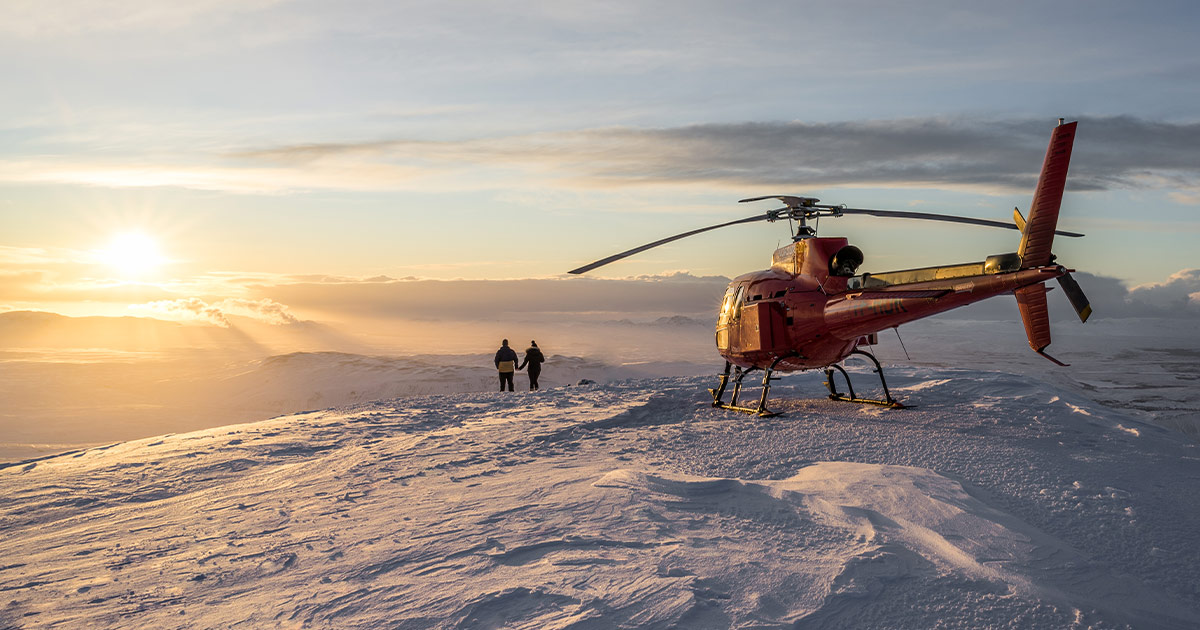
<point>732,304</point>
<point>726,306</point>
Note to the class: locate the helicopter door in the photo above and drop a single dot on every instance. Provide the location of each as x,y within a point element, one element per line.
<point>763,327</point>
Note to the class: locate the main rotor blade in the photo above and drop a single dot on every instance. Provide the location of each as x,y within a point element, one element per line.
<point>900,214</point>
<point>1075,294</point>
<point>616,257</point>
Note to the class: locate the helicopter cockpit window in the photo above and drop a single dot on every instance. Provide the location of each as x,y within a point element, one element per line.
<point>736,312</point>
<point>727,305</point>
<point>732,306</point>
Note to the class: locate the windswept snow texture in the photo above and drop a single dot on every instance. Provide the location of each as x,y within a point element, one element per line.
<point>996,502</point>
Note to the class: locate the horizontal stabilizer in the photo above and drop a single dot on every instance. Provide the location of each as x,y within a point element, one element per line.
<point>1032,301</point>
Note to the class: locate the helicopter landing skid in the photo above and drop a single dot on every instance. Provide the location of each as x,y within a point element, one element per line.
<point>834,394</point>
<point>761,410</point>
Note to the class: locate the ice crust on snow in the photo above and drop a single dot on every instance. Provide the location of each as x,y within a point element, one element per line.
<point>994,503</point>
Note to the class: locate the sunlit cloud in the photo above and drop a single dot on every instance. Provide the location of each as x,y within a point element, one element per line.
<point>218,313</point>
<point>219,286</point>
<point>32,276</point>
<point>266,310</point>
<point>187,309</point>
<point>331,174</point>
<point>1179,292</point>
<point>1189,197</point>
<point>41,287</point>
<point>42,256</point>
<point>39,275</point>
<point>22,255</point>
<point>198,177</point>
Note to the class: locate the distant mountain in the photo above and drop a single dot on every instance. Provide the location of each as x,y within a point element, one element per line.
<point>673,320</point>
<point>34,329</point>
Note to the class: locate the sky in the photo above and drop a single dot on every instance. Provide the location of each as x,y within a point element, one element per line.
<point>270,157</point>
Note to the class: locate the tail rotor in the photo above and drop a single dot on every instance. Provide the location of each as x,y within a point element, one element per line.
<point>1079,301</point>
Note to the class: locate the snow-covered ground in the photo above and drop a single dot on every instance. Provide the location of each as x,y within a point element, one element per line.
<point>1014,494</point>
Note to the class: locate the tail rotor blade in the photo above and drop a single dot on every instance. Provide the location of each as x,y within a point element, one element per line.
<point>1075,294</point>
<point>1019,220</point>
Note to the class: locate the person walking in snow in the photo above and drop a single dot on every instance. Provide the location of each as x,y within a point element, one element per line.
<point>506,363</point>
<point>534,359</point>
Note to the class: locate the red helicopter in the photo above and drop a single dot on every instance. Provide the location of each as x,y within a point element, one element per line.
<point>810,310</point>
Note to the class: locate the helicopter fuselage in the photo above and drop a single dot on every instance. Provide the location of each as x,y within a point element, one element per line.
<point>809,310</point>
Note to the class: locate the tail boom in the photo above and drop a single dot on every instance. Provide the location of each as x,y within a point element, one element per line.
<point>871,310</point>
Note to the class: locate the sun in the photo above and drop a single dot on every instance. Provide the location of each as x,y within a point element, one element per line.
<point>133,255</point>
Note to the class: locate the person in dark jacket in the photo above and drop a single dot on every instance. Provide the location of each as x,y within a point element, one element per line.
<point>534,359</point>
<point>506,363</point>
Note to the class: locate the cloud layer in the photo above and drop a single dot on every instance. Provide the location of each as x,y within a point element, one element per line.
<point>1114,153</point>
<point>491,300</point>
<point>646,298</point>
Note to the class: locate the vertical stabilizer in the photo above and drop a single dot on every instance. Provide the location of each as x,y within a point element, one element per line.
<point>1043,213</point>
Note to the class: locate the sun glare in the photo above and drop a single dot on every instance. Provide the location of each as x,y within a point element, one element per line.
<point>133,255</point>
